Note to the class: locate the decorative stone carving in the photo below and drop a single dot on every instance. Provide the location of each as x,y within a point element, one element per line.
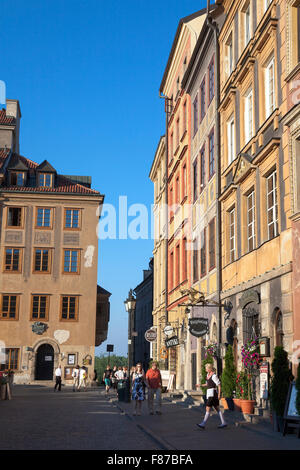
<point>39,328</point>
<point>71,239</point>
<point>13,236</point>
<point>61,336</point>
<point>42,237</point>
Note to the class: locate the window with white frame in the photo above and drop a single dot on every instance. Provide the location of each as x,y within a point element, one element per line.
<point>248,115</point>
<point>247,24</point>
<point>272,205</point>
<point>229,55</point>
<point>230,140</point>
<point>251,221</point>
<point>232,247</point>
<point>270,87</point>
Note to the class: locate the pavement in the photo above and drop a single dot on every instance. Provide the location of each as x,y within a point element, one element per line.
<point>38,418</point>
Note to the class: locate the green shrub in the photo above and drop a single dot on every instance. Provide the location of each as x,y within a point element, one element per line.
<point>229,374</point>
<point>280,381</point>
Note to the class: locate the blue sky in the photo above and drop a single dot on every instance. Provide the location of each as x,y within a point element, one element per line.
<point>87,74</point>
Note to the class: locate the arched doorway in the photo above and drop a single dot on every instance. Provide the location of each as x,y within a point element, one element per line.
<point>278,327</point>
<point>44,362</point>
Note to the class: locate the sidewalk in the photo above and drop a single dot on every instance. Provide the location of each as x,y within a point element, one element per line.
<point>176,429</point>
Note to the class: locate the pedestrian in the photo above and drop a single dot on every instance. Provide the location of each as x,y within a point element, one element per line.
<point>82,378</point>
<point>154,383</point>
<point>138,394</point>
<point>94,378</point>
<point>58,378</point>
<point>114,378</point>
<point>75,375</point>
<point>119,374</point>
<point>107,379</point>
<point>213,396</point>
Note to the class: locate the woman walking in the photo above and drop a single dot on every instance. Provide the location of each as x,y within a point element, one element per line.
<point>138,394</point>
<point>213,397</point>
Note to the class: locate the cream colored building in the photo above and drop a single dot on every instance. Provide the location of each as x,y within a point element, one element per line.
<point>158,177</point>
<point>49,253</point>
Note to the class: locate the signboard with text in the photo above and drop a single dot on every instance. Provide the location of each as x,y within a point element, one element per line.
<point>171,342</point>
<point>198,326</point>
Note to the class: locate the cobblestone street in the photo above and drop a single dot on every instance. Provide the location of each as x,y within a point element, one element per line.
<point>37,418</point>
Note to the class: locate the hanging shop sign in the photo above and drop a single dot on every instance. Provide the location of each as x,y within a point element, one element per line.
<point>198,326</point>
<point>168,330</point>
<point>171,342</point>
<point>163,353</point>
<point>150,335</point>
<point>264,347</point>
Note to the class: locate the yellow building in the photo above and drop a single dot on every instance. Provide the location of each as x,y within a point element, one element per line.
<point>255,175</point>
<point>49,254</point>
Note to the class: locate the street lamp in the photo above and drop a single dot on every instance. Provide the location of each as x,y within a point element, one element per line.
<point>130,304</point>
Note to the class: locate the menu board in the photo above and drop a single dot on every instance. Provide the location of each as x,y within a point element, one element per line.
<point>291,408</point>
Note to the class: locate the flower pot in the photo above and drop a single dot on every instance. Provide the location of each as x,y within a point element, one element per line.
<point>237,404</point>
<point>230,404</point>
<point>223,402</point>
<point>247,406</point>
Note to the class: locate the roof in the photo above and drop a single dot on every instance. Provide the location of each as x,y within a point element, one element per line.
<point>62,184</point>
<point>8,120</point>
<point>101,290</point>
<point>183,21</point>
<point>46,167</point>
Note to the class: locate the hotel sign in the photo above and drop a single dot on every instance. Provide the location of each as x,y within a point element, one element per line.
<point>198,326</point>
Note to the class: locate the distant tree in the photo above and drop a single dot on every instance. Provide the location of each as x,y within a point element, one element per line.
<point>102,361</point>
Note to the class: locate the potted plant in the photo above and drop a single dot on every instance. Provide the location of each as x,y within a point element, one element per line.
<point>208,360</point>
<point>250,360</point>
<point>228,378</point>
<point>279,386</point>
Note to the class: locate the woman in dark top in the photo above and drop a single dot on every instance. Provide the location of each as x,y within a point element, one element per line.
<point>213,384</point>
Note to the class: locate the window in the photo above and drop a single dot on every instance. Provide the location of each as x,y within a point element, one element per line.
<point>171,203</point>
<point>14,217</point>
<point>251,221</point>
<point>43,218</point>
<point>270,87</point>
<point>251,326</point>
<point>12,260</point>
<point>17,178</point>
<point>230,140</point>
<point>211,74</point>
<point>195,181</point>
<point>42,260</point>
<point>195,261</point>
<point>177,132</point>
<point>69,307</point>
<point>184,180</point>
<point>184,259</point>
<point>71,261</point>
<point>9,307</point>
<point>203,252</point>
<point>11,359</point>
<point>171,270</point>
<point>40,307</point>
<point>195,114</point>
<point>229,55</point>
<point>248,116</point>
<point>177,190</point>
<point>184,117</point>
<point>171,148</point>
<point>202,169</point>
<point>211,141</point>
<point>272,206</point>
<point>247,25</point>
<point>212,244</point>
<point>202,98</point>
<point>72,219</point>
<point>45,179</point>
<point>232,235</point>
<point>177,265</point>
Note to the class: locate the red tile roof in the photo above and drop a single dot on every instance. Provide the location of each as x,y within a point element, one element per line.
<point>4,119</point>
<point>63,184</point>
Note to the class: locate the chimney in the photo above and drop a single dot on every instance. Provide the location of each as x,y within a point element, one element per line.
<point>13,109</point>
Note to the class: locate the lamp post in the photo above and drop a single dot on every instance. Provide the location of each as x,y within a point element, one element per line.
<point>130,304</point>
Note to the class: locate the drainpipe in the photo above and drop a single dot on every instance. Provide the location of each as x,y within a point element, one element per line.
<point>166,214</point>
<point>212,25</point>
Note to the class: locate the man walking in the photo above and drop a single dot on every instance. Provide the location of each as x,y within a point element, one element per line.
<point>82,377</point>
<point>153,382</point>
<point>58,379</point>
<point>75,375</point>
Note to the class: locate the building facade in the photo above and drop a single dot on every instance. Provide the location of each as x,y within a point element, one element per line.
<point>179,188</point>
<point>255,175</point>
<point>200,83</point>
<point>292,121</point>
<point>143,320</point>
<point>49,253</point>
<point>158,177</point>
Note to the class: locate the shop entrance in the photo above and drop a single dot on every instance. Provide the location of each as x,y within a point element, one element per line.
<point>44,362</point>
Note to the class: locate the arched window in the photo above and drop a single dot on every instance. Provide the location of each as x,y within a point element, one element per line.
<point>278,327</point>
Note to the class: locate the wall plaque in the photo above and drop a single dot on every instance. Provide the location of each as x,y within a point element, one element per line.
<point>42,237</point>
<point>71,239</point>
<point>39,327</point>
<point>13,236</point>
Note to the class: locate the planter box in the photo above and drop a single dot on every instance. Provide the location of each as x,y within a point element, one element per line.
<point>237,404</point>
<point>247,406</point>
